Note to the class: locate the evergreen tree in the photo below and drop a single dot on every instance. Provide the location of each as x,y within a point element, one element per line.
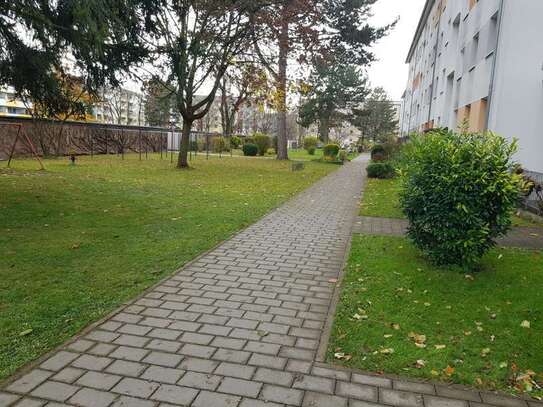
<point>377,119</point>
<point>332,92</point>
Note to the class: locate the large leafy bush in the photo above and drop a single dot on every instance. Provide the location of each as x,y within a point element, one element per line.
<point>310,144</point>
<point>263,142</point>
<point>380,170</point>
<point>460,191</point>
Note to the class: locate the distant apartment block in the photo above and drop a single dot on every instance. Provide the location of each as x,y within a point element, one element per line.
<point>10,105</point>
<point>479,63</point>
<point>120,106</point>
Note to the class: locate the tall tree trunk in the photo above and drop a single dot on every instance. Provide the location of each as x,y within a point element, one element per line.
<point>324,129</point>
<point>282,145</point>
<point>182,161</point>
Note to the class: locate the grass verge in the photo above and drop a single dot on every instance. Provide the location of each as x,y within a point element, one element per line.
<point>398,314</point>
<point>78,241</point>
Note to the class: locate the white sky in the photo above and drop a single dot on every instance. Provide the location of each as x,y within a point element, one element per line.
<point>390,71</point>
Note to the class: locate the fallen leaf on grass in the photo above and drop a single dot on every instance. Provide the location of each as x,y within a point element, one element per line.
<point>343,356</point>
<point>420,364</point>
<point>503,365</point>
<point>525,324</point>
<point>469,277</point>
<point>396,327</point>
<point>387,351</point>
<point>26,332</point>
<point>485,352</point>
<point>388,336</point>
<point>449,371</point>
<point>439,347</point>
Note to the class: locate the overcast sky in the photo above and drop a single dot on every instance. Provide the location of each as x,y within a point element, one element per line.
<point>390,71</point>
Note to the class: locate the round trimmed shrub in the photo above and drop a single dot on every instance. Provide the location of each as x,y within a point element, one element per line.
<point>250,150</point>
<point>378,153</point>
<point>331,150</point>
<point>263,142</point>
<point>310,144</point>
<point>235,141</point>
<point>380,170</point>
<point>343,155</point>
<point>459,194</point>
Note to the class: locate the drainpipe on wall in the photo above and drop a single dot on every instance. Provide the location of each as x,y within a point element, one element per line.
<point>494,64</point>
<point>435,63</point>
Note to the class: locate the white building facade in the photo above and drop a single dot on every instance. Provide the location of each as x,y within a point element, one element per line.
<point>479,63</point>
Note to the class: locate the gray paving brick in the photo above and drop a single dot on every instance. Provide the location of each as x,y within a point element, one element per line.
<point>208,399</point>
<point>271,376</point>
<point>27,402</point>
<point>458,393</point>
<point>175,394</point>
<point>372,380</point>
<point>6,399</point>
<point>92,398</point>
<point>503,401</point>
<point>235,370</point>
<point>432,401</point>
<point>400,398</point>
<point>272,362</point>
<point>135,388</point>
<point>68,375</point>
<point>162,374</point>
<point>245,402</point>
<point>201,381</point>
<point>126,401</point>
<point>197,338</point>
<point>29,381</point>
<point>234,356</point>
<point>98,380</point>
<point>416,387</point>
<point>314,383</point>
<point>357,391</point>
<point>55,391</point>
<point>331,373</point>
<point>59,361</point>
<point>164,345</point>
<point>126,368</point>
<point>81,345</point>
<point>240,387</point>
<point>198,351</point>
<point>163,359</point>
<point>198,365</point>
<point>129,353</point>
<point>282,395</point>
<point>298,366</point>
<point>323,400</point>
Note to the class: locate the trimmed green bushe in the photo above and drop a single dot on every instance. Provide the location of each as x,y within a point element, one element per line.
<point>331,150</point>
<point>250,150</point>
<point>459,194</point>
<point>310,144</point>
<point>382,170</point>
<point>263,142</point>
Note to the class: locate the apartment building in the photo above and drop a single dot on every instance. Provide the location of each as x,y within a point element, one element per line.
<point>10,105</point>
<point>479,63</point>
<point>120,106</point>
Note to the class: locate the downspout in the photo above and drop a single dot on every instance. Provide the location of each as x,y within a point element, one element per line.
<point>494,64</point>
<point>435,63</point>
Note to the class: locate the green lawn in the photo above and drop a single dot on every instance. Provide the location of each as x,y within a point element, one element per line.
<point>381,198</point>
<point>301,154</point>
<point>78,241</point>
<point>473,324</point>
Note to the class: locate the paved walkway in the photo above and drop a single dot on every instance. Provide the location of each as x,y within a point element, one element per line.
<point>239,327</point>
<point>523,237</point>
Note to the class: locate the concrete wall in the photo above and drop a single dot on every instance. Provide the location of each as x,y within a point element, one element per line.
<point>517,103</point>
